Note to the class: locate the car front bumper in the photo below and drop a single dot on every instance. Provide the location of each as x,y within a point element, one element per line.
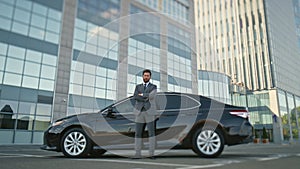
<point>51,141</point>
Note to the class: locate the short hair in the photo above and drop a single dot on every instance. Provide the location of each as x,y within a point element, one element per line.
<point>147,71</point>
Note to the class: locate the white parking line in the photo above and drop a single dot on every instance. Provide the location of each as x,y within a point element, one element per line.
<point>179,166</point>
<point>203,166</point>
<point>268,158</point>
<point>19,155</point>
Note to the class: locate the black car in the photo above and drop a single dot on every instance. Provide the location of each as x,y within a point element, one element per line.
<point>184,121</point>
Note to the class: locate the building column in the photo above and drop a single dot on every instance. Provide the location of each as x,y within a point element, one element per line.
<point>277,124</point>
<point>193,48</point>
<point>61,91</point>
<point>122,72</point>
<point>163,52</point>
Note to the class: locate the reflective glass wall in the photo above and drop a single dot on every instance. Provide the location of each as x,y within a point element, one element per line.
<point>29,36</point>
<point>214,85</point>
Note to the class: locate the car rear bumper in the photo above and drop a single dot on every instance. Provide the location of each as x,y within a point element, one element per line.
<point>240,134</point>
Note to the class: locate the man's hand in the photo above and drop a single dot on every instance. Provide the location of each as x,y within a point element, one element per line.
<point>140,94</point>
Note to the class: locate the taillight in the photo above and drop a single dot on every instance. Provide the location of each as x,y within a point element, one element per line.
<point>240,113</point>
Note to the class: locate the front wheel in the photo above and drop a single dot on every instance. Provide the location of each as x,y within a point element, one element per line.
<point>75,143</point>
<point>208,142</point>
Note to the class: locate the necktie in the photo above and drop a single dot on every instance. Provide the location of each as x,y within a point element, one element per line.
<point>145,86</point>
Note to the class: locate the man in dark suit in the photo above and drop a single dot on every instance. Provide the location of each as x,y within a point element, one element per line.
<point>145,110</point>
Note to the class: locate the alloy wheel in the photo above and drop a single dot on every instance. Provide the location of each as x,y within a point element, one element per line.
<point>75,143</point>
<point>208,142</point>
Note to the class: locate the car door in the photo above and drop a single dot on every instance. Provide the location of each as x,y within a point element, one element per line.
<point>176,115</point>
<point>116,124</point>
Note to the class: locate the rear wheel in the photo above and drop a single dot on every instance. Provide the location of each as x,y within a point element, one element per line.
<point>75,143</point>
<point>208,142</point>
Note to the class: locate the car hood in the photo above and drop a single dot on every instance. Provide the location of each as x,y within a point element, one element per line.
<point>77,116</point>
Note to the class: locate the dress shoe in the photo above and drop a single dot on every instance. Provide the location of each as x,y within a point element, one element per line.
<point>136,157</point>
<point>152,157</point>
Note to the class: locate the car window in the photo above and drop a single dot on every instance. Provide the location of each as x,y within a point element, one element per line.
<point>172,102</point>
<point>125,106</point>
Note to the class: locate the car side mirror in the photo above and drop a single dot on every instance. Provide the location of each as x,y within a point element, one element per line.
<point>111,113</point>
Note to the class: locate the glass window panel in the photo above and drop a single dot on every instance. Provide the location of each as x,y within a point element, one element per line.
<point>76,77</point>
<point>20,28</point>
<point>17,52</point>
<point>100,93</point>
<point>111,95</point>
<point>38,136</point>
<point>54,14</point>
<point>5,23</point>
<point>33,56</point>
<point>41,123</point>
<point>1,77</point>
<point>79,34</point>
<point>48,72</point>
<point>52,37</point>
<point>88,91</point>
<point>46,84</point>
<point>6,10</point>
<point>91,49</point>
<point>101,71</point>
<point>2,62</point>
<point>37,8</point>
<point>12,79</point>
<point>111,84</point>
<point>88,80</point>
<point>75,89</point>
<point>14,65</point>
<point>25,122</point>
<point>53,25</point>
<point>49,59</point>
<point>3,48</point>
<point>24,4</point>
<point>26,108</point>
<point>78,45</point>
<point>22,15</point>
<point>36,33</point>
<point>38,21</point>
<point>89,69</point>
<point>32,69</point>
<point>30,82</point>
<point>8,107</point>
<point>100,82</point>
<point>80,24</point>
<point>43,109</point>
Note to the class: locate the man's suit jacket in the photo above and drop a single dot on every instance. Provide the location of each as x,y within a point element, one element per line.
<point>147,100</point>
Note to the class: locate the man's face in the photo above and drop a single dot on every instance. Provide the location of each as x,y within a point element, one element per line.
<point>146,77</point>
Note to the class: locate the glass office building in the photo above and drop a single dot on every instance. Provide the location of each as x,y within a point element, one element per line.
<point>64,57</point>
<point>255,43</point>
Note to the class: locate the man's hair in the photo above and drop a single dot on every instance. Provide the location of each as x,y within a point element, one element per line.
<point>147,71</point>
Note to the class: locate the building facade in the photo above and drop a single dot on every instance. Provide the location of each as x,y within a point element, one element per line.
<point>254,42</point>
<point>64,57</point>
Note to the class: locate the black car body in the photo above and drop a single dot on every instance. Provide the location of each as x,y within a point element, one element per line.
<point>184,121</point>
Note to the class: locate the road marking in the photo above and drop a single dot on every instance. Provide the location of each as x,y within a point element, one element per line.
<point>202,166</point>
<point>268,158</point>
<point>181,166</point>
<point>19,155</point>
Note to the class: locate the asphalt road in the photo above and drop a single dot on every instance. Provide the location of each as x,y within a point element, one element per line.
<point>266,156</point>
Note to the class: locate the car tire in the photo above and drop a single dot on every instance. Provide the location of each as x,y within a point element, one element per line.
<point>208,142</point>
<point>76,143</point>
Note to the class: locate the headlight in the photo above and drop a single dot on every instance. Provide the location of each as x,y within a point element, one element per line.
<point>58,123</point>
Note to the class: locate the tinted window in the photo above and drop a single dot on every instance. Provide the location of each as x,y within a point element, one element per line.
<point>175,102</point>
<point>125,106</point>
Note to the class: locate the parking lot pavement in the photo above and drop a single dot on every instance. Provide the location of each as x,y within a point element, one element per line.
<point>241,156</point>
